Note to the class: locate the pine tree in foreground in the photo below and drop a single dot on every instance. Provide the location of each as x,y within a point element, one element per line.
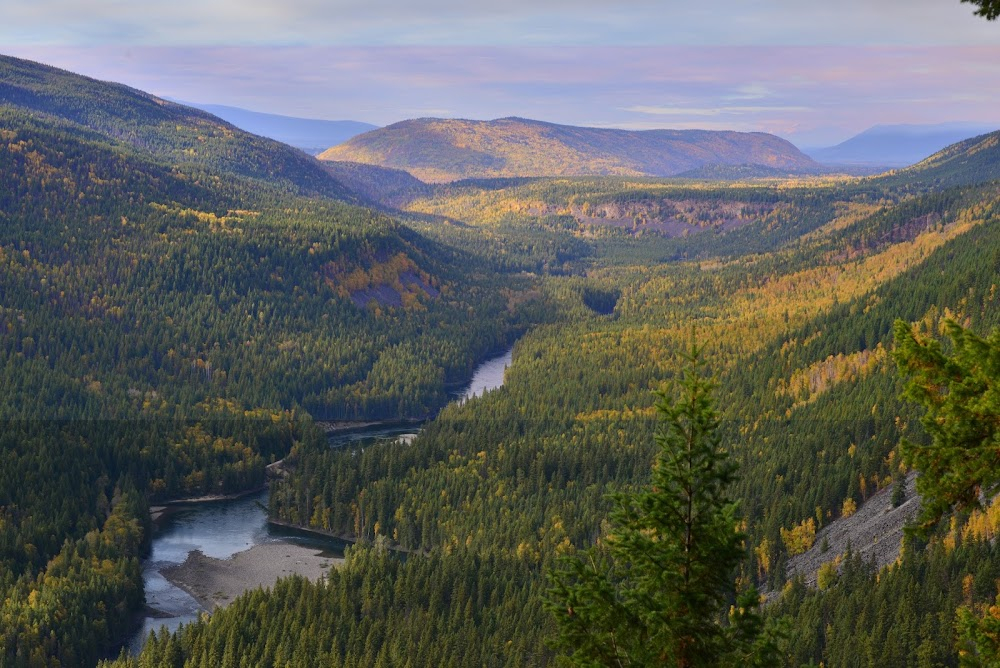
<point>959,465</point>
<point>655,589</point>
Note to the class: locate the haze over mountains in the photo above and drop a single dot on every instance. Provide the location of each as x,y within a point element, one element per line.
<point>897,145</point>
<point>257,144</point>
<point>439,150</point>
<point>974,160</point>
<point>309,134</point>
<point>881,146</point>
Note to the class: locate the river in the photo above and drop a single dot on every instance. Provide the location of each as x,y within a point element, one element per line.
<point>223,528</point>
<point>488,376</point>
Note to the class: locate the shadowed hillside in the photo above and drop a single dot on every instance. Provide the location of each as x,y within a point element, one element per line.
<point>169,131</point>
<point>390,187</point>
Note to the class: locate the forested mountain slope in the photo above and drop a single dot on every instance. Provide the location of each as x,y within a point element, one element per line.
<point>236,280</point>
<point>167,330</point>
<point>437,150</point>
<point>169,131</point>
<point>974,160</point>
<point>393,188</point>
<point>795,308</point>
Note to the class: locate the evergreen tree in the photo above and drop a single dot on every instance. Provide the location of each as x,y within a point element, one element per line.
<point>959,467</point>
<point>961,396</point>
<point>988,9</point>
<point>653,591</point>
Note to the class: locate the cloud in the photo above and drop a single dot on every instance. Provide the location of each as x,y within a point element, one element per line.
<point>477,22</point>
<point>752,91</point>
<point>715,111</point>
<point>818,94</point>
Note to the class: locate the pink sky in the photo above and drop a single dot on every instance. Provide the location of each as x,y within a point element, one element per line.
<point>813,72</point>
<point>812,95</point>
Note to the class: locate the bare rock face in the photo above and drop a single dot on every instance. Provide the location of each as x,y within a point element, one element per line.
<point>875,532</point>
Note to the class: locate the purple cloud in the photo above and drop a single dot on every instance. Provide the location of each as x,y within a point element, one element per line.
<point>811,94</point>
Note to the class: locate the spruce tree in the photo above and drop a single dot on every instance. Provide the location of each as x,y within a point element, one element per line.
<point>960,393</point>
<point>960,465</point>
<point>655,588</point>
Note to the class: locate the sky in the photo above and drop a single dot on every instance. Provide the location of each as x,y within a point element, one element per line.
<point>813,72</point>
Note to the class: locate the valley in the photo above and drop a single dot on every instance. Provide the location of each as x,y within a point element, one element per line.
<point>173,323</point>
<point>204,555</point>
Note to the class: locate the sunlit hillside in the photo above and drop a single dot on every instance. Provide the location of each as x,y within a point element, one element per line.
<point>438,150</point>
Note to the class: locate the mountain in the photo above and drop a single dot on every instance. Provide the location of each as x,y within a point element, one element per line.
<point>171,323</point>
<point>970,162</point>
<point>438,150</point>
<point>897,145</point>
<point>159,273</point>
<point>167,130</point>
<point>309,134</point>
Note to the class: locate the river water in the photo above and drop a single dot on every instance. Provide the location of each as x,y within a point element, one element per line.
<point>488,376</point>
<point>223,528</point>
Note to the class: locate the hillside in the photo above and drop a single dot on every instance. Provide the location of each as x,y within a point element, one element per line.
<point>896,145</point>
<point>167,330</point>
<point>169,131</point>
<point>104,236</point>
<point>874,532</point>
<point>975,160</point>
<point>717,172</point>
<point>388,187</point>
<point>440,150</point>
<point>308,134</point>
<point>174,321</point>
<point>797,329</point>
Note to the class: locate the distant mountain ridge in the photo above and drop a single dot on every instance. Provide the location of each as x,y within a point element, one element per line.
<point>897,145</point>
<point>308,134</point>
<point>440,150</point>
<point>169,131</point>
<point>969,162</point>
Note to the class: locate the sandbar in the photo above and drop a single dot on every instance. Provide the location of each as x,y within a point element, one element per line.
<point>214,583</point>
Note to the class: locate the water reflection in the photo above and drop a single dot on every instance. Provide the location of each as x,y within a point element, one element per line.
<point>488,376</point>
<point>223,528</point>
<point>219,530</point>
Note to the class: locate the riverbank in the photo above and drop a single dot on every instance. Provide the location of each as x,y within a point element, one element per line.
<point>160,511</point>
<point>488,375</point>
<point>319,533</point>
<point>210,549</point>
<point>214,583</point>
<point>272,471</point>
<point>214,498</point>
<point>346,426</point>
